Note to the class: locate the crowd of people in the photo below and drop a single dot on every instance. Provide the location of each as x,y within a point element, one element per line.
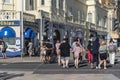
<point>98,51</point>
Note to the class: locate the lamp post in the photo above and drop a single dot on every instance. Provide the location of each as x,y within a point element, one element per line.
<point>21,29</point>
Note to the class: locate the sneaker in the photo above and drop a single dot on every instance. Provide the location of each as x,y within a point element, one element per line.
<point>105,68</point>
<point>63,66</point>
<point>67,66</point>
<point>76,67</point>
<point>91,67</point>
<point>99,67</point>
<point>96,67</point>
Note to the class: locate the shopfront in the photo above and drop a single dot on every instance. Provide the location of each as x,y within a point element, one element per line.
<point>10,33</point>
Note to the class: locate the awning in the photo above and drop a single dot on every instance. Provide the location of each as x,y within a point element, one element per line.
<point>7,32</point>
<point>29,33</point>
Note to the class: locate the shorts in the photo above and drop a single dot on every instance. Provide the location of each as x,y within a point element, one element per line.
<point>3,50</point>
<point>103,56</point>
<point>48,53</point>
<point>65,58</point>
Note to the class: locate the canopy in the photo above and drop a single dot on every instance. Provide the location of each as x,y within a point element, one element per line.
<point>7,32</point>
<point>29,33</point>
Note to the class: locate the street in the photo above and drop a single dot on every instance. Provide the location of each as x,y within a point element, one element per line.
<point>26,70</point>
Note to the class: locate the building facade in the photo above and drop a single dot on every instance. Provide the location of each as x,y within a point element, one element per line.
<point>51,19</point>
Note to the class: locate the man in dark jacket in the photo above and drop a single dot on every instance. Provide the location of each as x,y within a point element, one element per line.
<point>95,50</point>
<point>65,53</point>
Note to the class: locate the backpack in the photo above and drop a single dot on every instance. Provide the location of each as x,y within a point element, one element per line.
<point>6,46</point>
<point>111,48</point>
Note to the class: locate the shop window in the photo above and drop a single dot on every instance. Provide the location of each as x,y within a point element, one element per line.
<point>9,40</point>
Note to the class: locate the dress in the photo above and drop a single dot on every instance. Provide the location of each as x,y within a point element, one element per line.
<point>77,51</point>
<point>57,48</point>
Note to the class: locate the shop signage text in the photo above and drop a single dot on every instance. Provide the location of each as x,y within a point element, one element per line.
<point>9,23</point>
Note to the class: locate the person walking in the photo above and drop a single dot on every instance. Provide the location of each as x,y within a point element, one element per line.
<point>57,45</point>
<point>30,47</point>
<point>112,50</point>
<point>77,51</point>
<point>77,40</point>
<point>65,53</point>
<point>49,50</point>
<point>3,48</point>
<point>103,54</point>
<point>94,50</point>
<point>74,45</point>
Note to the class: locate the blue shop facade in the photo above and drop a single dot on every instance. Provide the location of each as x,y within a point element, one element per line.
<point>10,32</point>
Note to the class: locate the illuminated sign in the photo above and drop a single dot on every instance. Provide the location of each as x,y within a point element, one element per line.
<point>9,23</point>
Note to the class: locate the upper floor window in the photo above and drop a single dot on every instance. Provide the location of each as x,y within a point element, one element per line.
<point>90,17</point>
<point>82,16</point>
<point>6,1</point>
<point>97,20</point>
<point>42,2</point>
<point>60,4</point>
<point>104,21</point>
<point>54,3</point>
<point>30,5</point>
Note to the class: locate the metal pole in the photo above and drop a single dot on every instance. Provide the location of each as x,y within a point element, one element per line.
<point>22,35</point>
<point>41,28</point>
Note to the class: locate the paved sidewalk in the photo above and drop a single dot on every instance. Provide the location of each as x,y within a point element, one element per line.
<point>20,59</point>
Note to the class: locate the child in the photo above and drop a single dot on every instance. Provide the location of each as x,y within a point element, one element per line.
<point>77,50</point>
<point>43,53</point>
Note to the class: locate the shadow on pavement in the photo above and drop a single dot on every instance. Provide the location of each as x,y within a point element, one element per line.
<point>6,75</point>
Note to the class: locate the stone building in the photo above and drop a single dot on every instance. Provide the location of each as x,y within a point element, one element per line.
<point>50,19</point>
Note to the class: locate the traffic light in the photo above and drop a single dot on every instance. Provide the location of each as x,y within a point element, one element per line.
<point>46,25</point>
<point>115,24</point>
